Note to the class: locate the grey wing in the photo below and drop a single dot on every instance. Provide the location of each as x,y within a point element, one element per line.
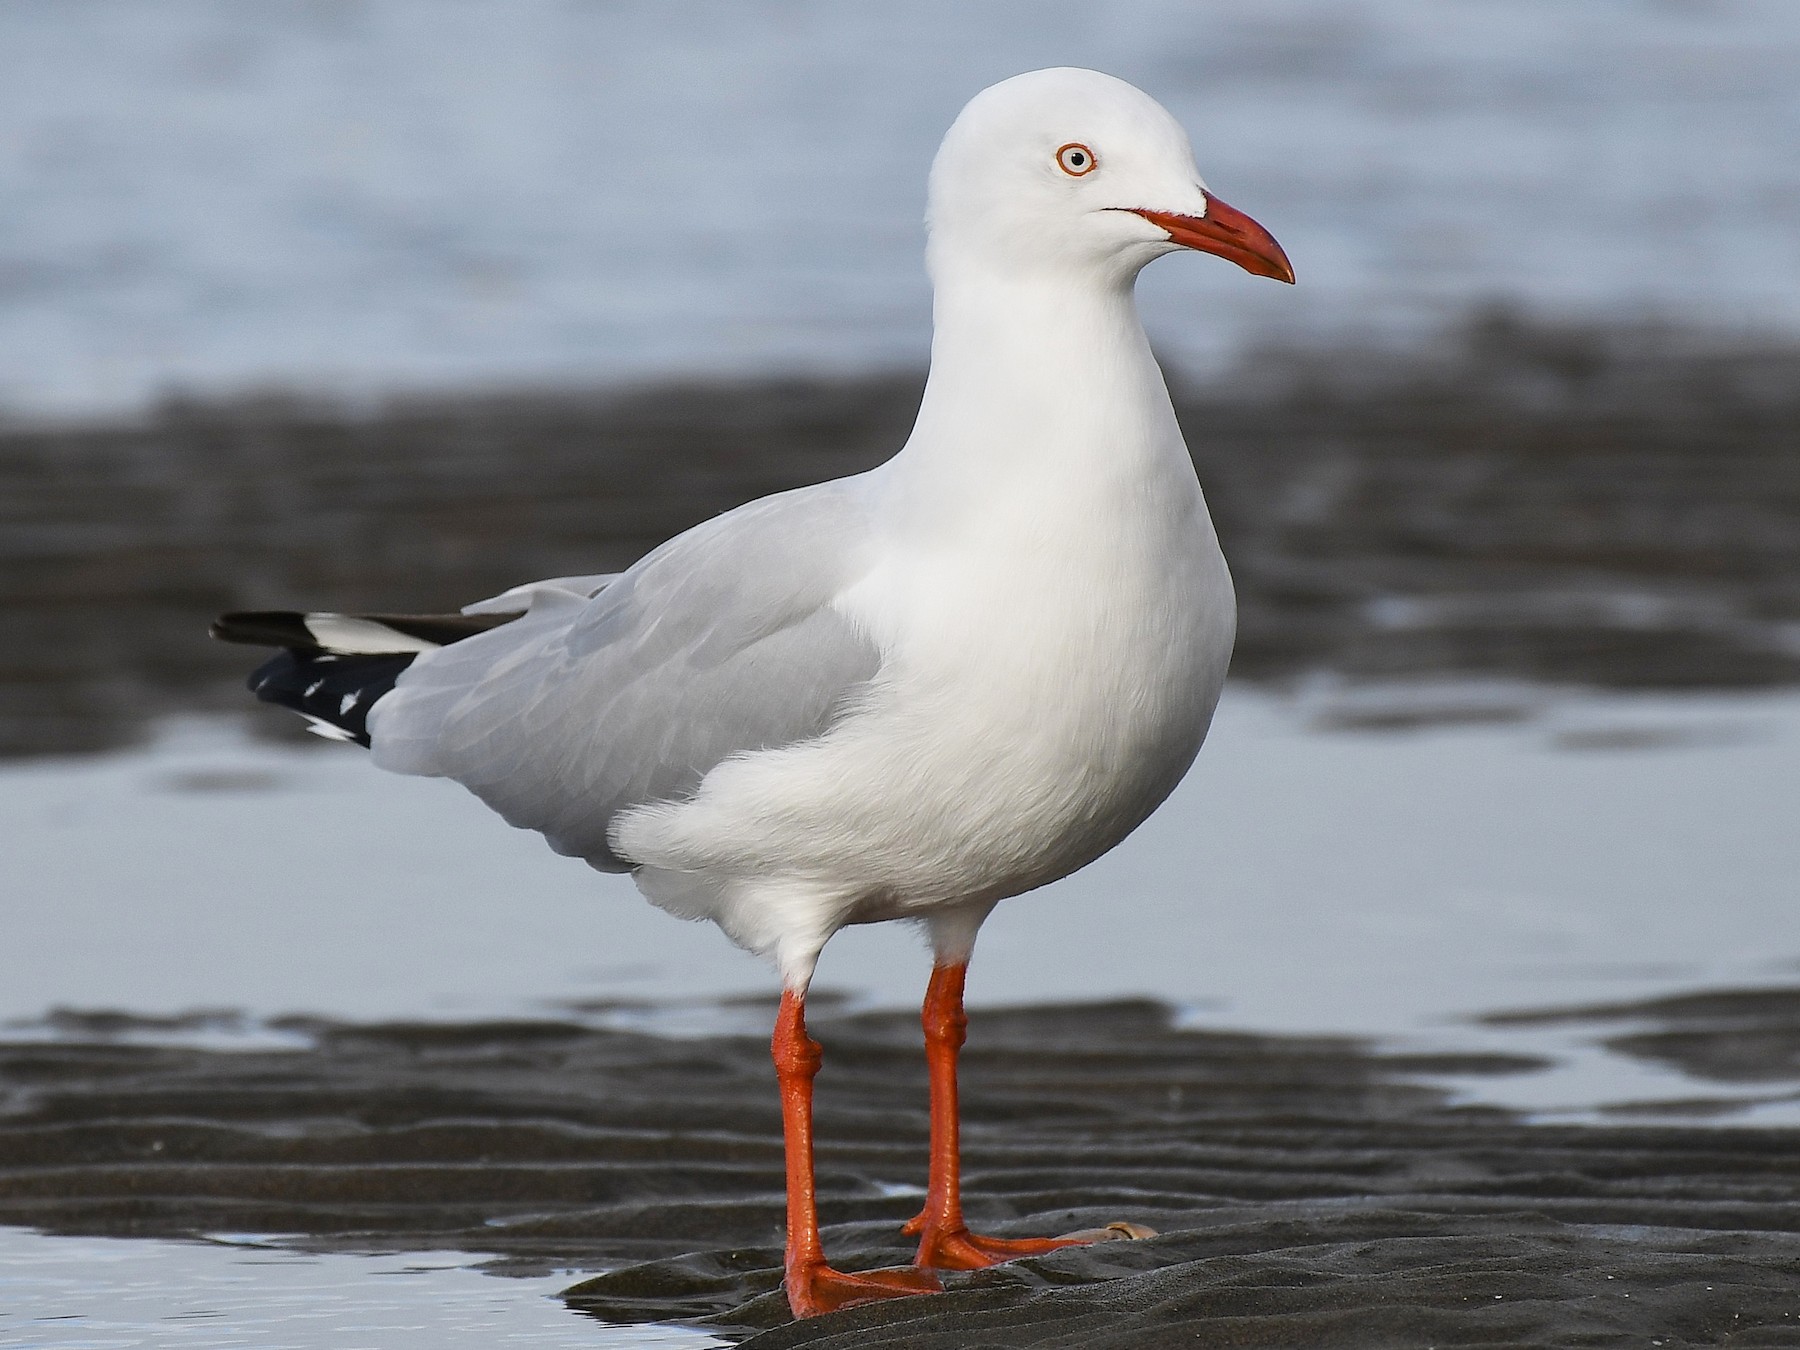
<point>721,642</point>
<point>524,597</point>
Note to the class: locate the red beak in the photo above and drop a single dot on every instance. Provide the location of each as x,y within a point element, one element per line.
<point>1228,232</point>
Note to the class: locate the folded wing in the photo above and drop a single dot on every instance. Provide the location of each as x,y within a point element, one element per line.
<point>723,642</point>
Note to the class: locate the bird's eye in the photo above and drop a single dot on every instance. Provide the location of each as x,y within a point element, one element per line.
<point>1076,159</point>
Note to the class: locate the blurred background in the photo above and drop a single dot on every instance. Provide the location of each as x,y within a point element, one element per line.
<point>395,303</point>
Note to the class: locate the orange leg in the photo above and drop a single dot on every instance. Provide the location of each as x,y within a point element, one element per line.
<point>812,1286</point>
<point>944,1239</point>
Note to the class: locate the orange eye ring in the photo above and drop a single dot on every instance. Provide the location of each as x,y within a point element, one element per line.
<point>1076,160</point>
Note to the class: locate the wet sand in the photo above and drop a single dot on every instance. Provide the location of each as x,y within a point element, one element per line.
<point>1309,1191</point>
<point>1616,505</point>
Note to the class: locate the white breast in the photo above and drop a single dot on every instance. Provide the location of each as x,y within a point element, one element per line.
<point>1052,684</point>
<point>1048,683</point>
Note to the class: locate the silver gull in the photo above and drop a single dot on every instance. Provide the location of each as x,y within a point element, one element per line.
<point>908,694</point>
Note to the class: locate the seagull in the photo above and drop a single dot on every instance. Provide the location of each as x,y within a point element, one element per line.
<point>906,694</point>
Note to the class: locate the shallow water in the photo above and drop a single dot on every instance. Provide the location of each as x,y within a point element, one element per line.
<point>90,1293</point>
<point>1553,848</point>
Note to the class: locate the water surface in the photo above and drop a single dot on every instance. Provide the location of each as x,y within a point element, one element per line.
<point>92,1293</point>
<point>1313,874</point>
<point>367,196</point>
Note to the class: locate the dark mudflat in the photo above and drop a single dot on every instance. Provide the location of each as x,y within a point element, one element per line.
<point>1616,505</point>
<point>1310,1192</point>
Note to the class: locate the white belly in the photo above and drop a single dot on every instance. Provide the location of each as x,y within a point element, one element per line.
<point>1027,720</point>
<point>1038,733</point>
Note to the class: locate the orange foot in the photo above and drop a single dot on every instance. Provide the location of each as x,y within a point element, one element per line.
<point>963,1250</point>
<point>959,1249</point>
<point>815,1289</point>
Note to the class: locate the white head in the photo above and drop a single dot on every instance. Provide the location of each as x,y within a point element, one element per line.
<point>1074,171</point>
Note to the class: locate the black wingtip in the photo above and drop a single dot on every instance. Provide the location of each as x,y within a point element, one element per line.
<point>336,691</point>
<point>266,628</point>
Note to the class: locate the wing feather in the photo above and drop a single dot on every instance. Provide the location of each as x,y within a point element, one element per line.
<point>722,642</point>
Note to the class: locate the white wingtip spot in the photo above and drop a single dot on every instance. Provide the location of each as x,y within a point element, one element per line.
<point>319,727</point>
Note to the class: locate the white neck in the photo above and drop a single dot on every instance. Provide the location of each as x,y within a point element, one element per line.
<point>1042,389</point>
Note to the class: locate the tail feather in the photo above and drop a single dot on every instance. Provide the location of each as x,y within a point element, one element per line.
<point>333,667</point>
<point>265,629</point>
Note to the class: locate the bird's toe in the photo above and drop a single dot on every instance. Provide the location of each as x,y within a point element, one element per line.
<point>815,1289</point>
